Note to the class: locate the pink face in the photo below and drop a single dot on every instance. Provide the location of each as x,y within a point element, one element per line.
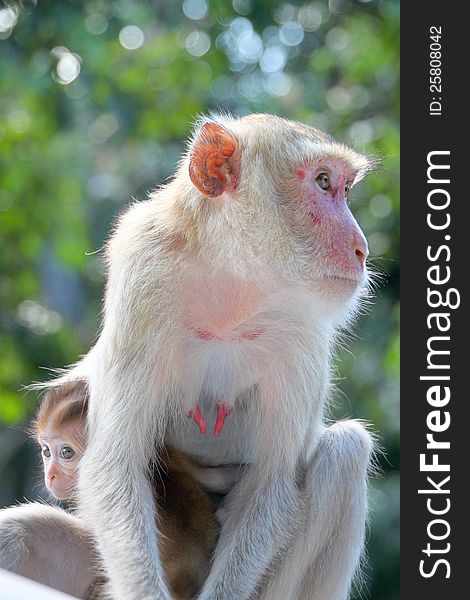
<point>61,452</point>
<point>339,241</point>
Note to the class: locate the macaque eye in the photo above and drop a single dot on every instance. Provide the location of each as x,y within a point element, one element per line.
<point>347,187</point>
<point>323,181</point>
<point>67,452</point>
<point>46,451</point>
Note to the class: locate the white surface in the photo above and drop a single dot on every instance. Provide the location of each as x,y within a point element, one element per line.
<point>14,587</point>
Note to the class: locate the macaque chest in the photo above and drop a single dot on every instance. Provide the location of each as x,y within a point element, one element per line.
<point>223,329</point>
<point>220,307</point>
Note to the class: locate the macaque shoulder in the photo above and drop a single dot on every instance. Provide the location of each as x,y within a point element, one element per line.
<point>145,246</point>
<point>138,231</point>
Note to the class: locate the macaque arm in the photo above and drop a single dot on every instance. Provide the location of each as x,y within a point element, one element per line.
<point>115,496</point>
<point>321,562</point>
<point>126,422</point>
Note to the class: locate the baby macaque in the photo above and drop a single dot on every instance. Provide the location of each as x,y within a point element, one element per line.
<point>186,520</point>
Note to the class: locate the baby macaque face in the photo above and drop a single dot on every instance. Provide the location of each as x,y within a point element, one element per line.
<point>61,452</point>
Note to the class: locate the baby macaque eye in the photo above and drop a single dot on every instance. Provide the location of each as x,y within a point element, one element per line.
<point>67,452</point>
<point>347,187</point>
<point>323,181</point>
<point>46,451</point>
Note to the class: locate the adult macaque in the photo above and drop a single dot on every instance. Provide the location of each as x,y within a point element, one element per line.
<point>186,518</point>
<point>226,291</point>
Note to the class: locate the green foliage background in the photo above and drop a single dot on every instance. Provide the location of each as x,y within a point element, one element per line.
<point>75,146</point>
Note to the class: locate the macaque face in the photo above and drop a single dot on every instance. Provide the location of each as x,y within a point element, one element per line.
<point>336,241</point>
<point>61,452</point>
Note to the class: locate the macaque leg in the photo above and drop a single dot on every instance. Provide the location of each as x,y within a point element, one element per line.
<point>48,545</point>
<point>325,554</point>
<point>263,510</point>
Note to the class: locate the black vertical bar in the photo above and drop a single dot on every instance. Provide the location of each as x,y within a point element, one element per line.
<point>434,119</point>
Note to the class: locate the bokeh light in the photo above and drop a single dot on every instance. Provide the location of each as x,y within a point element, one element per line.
<point>195,9</point>
<point>68,67</point>
<point>8,18</point>
<point>131,37</point>
<point>197,43</point>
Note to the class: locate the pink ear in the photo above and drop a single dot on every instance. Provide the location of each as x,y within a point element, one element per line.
<point>213,167</point>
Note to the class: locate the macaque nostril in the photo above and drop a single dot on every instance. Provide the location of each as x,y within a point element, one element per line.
<point>359,246</point>
<point>361,254</point>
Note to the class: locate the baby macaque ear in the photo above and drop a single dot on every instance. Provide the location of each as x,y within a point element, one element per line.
<point>214,161</point>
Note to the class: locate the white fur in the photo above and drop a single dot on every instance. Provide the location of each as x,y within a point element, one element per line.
<point>233,264</point>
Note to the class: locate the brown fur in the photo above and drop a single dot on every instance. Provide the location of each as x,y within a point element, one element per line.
<point>61,406</point>
<point>187,526</point>
<point>186,521</point>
